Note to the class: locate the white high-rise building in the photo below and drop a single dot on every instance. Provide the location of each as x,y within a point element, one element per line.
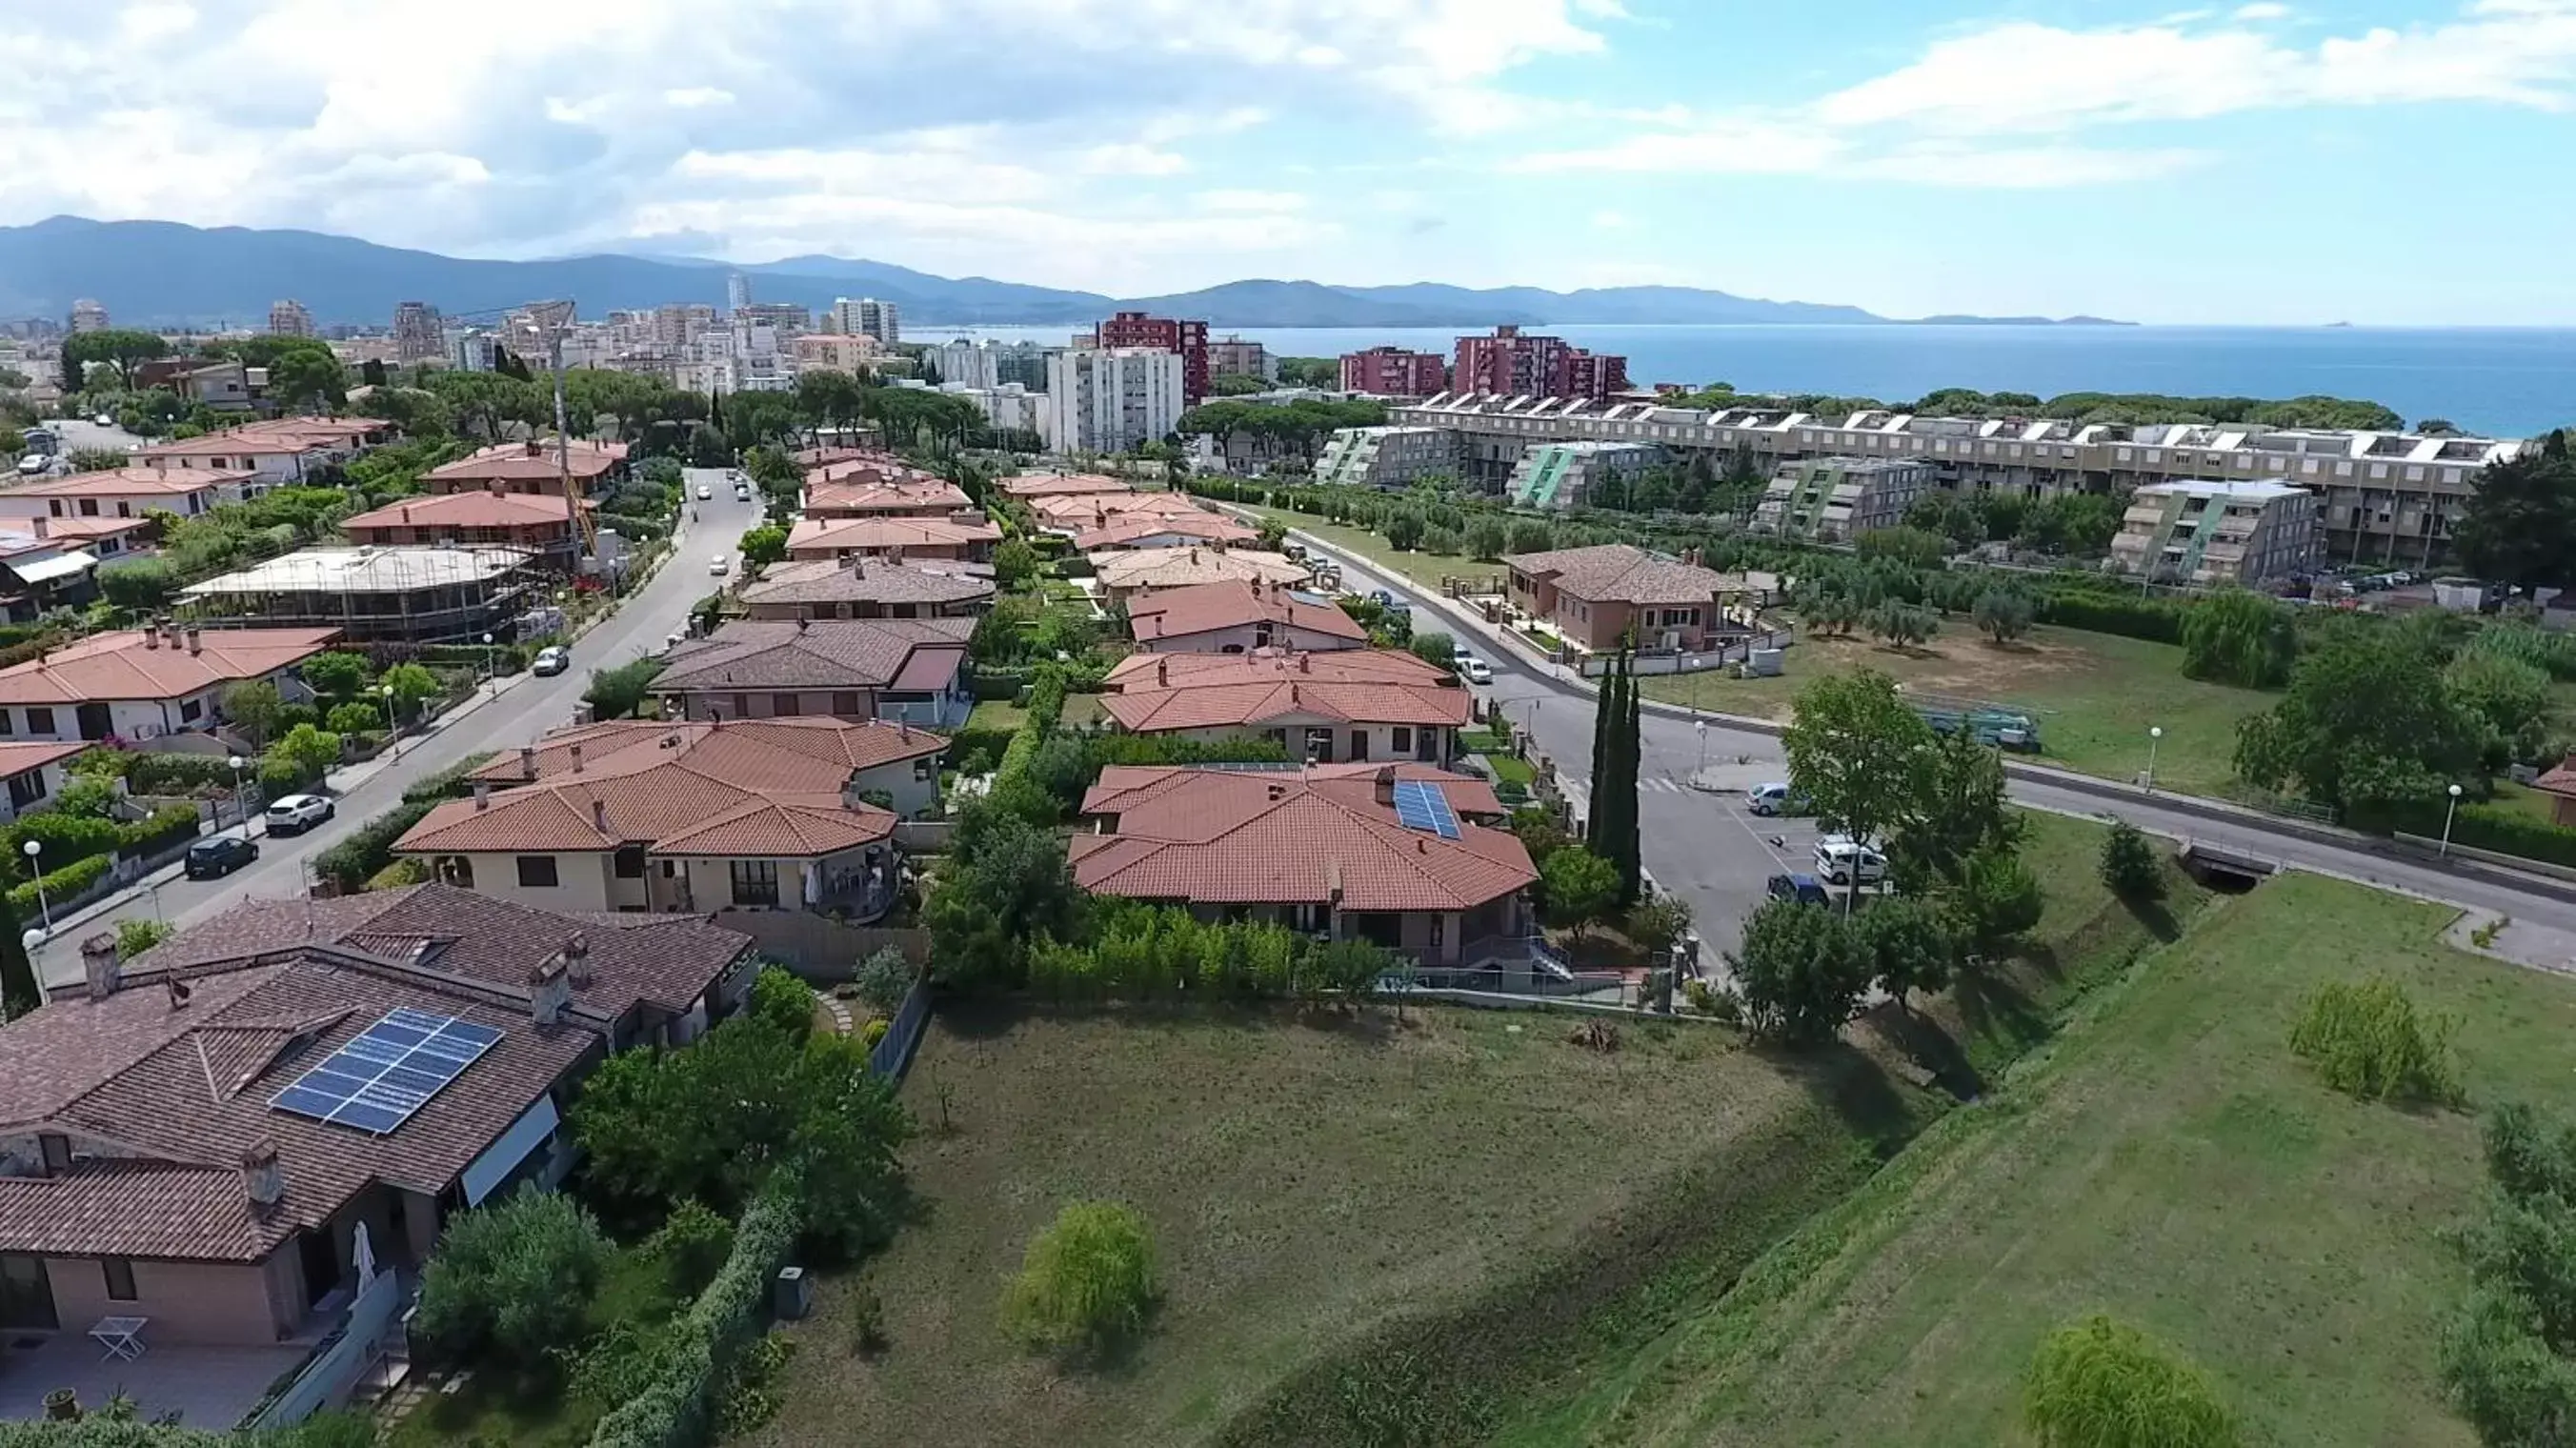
<point>288,318</point>
<point>737,292</point>
<point>89,316</point>
<point>973,364</point>
<point>1107,401</point>
<point>866,317</point>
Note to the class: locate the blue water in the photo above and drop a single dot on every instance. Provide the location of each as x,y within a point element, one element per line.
<point>2501,381</point>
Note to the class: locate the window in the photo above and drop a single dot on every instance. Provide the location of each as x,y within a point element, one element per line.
<point>846,703</point>
<point>755,882</point>
<point>783,706</point>
<point>536,872</point>
<point>925,767</point>
<point>25,789</point>
<point>192,710</point>
<point>1439,931</point>
<point>630,862</point>
<point>89,507</point>
<point>8,724</point>
<point>1400,738</point>
<point>742,706</point>
<point>119,1272</point>
<point>40,721</point>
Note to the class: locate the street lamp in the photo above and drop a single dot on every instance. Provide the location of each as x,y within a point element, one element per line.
<point>241,801</point>
<point>491,668</point>
<point>33,849</point>
<point>1700,727</point>
<point>2448,811</point>
<point>2155,732</point>
<point>393,728</point>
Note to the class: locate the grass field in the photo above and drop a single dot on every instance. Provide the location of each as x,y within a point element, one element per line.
<point>2167,1161</point>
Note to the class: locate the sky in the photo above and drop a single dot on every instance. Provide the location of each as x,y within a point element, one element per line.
<point>2375,162</point>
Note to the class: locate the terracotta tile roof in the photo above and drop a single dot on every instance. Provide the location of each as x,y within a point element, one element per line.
<point>2559,778</point>
<point>1096,509</point>
<point>824,536</point>
<point>1468,795</point>
<point>751,787</point>
<point>1133,568</point>
<point>84,528</point>
<point>534,459</point>
<point>1263,837</point>
<point>1179,613</point>
<point>1159,693</point>
<point>832,580</point>
<point>135,483</point>
<point>1620,573</point>
<point>19,756</point>
<point>472,508</point>
<point>817,457</point>
<point>823,654</point>
<point>118,665</point>
<point>1058,485</point>
<point>1133,529</point>
<point>869,495</point>
<point>276,435</point>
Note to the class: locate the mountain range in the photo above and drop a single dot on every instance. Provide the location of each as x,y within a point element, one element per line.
<point>161,273</point>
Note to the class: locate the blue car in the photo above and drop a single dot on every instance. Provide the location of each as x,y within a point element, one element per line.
<point>1804,889</point>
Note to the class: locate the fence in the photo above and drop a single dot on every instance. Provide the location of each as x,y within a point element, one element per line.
<point>819,948</point>
<point>1726,651</point>
<point>893,1053</point>
<point>339,1363</point>
<point>924,837</point>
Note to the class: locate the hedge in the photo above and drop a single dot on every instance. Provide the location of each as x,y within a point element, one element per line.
<point>448,783</point>
<point>59,886</point>
<point>370,847</point>
<point>999,681</point>
<point>2127,615</point>
<point>2482,827</point>
<point>677,1409</point>
<point>165,827</point>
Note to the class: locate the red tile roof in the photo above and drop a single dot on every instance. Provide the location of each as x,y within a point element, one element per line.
<point>1160,693</point>
<point>1278,837</point>
<point>1057,485</point>
<point>135,483</point>
<point>865,653</point>
<point>1180,613</point>
<point>1180,567</point>
<point>120,665</point>
<point>1619,573</point>
<point>1132,530</point>
<point>473,508</point>
<point>275,435</point>
<point>822,537</point>
<point>870,494</point>
<point>1096,509</point>
<point>869,580</point>
<point>19,756</point>
<point>531,460</point>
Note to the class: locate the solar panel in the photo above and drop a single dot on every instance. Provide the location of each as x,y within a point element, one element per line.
<point>1419,805</point>
<point>390,1070</point>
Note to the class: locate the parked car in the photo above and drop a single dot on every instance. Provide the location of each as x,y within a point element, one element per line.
<point>105,419</point>
<point>705,491</point>
<point>551,660</point>
<point>1775,798</point>
<point>742,492</point>
<point>32,464</point>
<point>297,813</point>
<point>1803,889</point>
<point>1839,858</point>
<point>721,565</point>
<point>1476,670</point>
<point>220,856</point>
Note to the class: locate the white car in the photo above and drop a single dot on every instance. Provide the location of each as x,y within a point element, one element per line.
<point>550,661</point>
<point>1476,670</point>
<point>105,419</point>
<point>296,813</point>
<point>720,566</point>
<point>1839,857</point>
<point>705,492</point>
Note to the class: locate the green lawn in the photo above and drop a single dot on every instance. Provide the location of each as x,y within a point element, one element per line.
<point>997,714</point>
<point>2094,695</point>
<point>493,1408</point>
<point>2167,1161</point>
<point>1423,569</point>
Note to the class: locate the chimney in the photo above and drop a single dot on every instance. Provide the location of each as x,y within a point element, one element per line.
<point>549,991</point>
<point>905,726</point>
<point>1305,663</point>
<point>576,759</point>
<point>599,815</point>
<point>40,527</point>
<point>100,965</point>
<point>196,639</point>
<point>536,449</point>
<point>261,1177</point>
<point>1277,792</point>
<point>152,637</point>
<point>482,795</point>
<point>527,761</point>
<point>1386,785</point>
<point>576,954</point>
<point>1162,670</point>
<point>406,512</point>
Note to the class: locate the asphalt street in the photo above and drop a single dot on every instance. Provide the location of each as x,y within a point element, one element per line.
<point>517,715</point>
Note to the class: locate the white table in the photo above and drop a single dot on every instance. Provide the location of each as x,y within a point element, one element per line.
<point>121,1336</point>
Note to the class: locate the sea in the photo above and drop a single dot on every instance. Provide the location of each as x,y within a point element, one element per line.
<point>2497,381</point>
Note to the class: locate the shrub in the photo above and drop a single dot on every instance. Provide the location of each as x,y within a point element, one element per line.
<point>162,829</point>
<point>133,937</point>
<point>2096,1383</point>
<point>873,1032</point>
<point>782,1002</point>
<point>369,848</point>
<point>691,1244</point>
<point>59,886</point>
<point>676,1399</point>
<point>884,979</point>
<point>867,1321</point>
<point>2369,1041</point>
<point>614,693</point>
<point>399,874</point>
<point>354,718</point>
<point>511,1280</point>
<point>1996,900</point>
<point>2129,863</point>
<point>1087,1280</point>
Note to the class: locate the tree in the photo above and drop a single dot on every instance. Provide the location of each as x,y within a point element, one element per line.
<point>96,459</point>
<point>2367,723</point>
<point>1438,650</point>
<point>782,1002</point>
<point>120,348</point>
<point>511,1280</point>
<point>763,545</point>
<point>18,993</point>
<point>2129,867</point>
<point>615,692</point>
<point>2096,1383</point>
<point>355,717</point>
<point>1005,884</point>
<point>2368,1040</point>
<point>308,751</point>
<point>1085,1282</point>
<point>2519,523</point>
<point>2239,637</point>
<point>253,706</point>
<point>1913,547</point>
<point>708,448</point>
<point>2004,614</point>
<point>2509,696</point>
<point>1657,925</point>
<point>1903,625</point>
<point>1403,530</point>
<point>1960,811</point>
<point>1488,539</point>
<point>1996,900</point>
<point>141,585</point>
<point>884,979</point>
<point>338,674</point>
<point>1909,946</point>
<point>1859,754</point>
<point>1580,888</point>
<point>412,685</point>
<point>1802,969</point>
<point>308,377</point>
<point>1015,563</point>
<point>2073,523</point>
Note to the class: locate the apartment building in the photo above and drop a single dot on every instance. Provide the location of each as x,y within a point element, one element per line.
<point>2207,532</point>
<point>836,352</point>
<point>288,318</point>
<point>1520,363</point>
<point>1562,475</point>
<point>2385,496</point>
<point>1110,399</point>
<point>865,317</point>
<point>1187,340</point>
<point>418,333</point>
<point>1394,372</point>
<point>1835,499</point>
<point>1386,457</point>
<point>1235,357</point>
<point>88,315</point>
<point>975,364</point>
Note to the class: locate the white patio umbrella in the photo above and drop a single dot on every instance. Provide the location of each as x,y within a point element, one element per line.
<point>365,1253</point>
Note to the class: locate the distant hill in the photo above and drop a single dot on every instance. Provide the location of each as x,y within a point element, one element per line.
<point>159,273</point>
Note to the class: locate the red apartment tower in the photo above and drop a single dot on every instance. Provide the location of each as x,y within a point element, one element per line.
<point>1518,365</point>
<point>1187,339</point>
<point>1394,372</point>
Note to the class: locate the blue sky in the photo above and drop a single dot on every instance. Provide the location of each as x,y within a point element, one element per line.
<point>2300,163</point>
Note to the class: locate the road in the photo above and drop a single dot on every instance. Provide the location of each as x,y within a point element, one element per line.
<point>1702,844</point>
<point>516,716</point>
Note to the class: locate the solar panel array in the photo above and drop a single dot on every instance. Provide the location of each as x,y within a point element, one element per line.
<point>1419,805</point>
<point>389,1071</point>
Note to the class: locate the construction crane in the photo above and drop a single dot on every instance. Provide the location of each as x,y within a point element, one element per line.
<point>546,323</point>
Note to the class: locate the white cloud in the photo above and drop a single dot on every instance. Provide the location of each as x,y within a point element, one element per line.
<point>693,97</point>
<point>2262,10</point>
<point>1257,202</point>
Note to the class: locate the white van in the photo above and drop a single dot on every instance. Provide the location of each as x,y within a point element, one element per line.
<point>1840,857</point>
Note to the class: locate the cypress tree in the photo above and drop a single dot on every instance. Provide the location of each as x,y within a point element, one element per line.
<point>1604,705</point>
<point>1631,735</point>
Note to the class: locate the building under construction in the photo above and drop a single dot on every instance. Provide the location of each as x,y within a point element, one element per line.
<point>417,595</point>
